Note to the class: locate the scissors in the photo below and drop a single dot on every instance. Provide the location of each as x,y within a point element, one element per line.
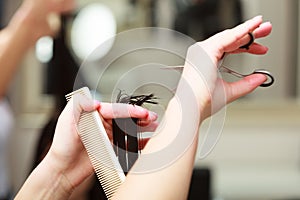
<point>268,82</point>
<point>224,69</point>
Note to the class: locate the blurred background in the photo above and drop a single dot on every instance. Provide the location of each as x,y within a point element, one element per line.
<point>258,153</point>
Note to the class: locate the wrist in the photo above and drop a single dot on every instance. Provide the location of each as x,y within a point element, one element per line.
<point>193,80</point>
<point>54,179</point>
<point>45,182</point>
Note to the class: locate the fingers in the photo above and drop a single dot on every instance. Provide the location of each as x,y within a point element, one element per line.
<point>250,41</point>
<point>53,21</point>
<point>243,87</point>
<point>254,48</point>
<point>142,127</point>
<point>262,31</point>
<point>77,104</point>
<point>149,127</point>
<point>143,142</point>
<point>119,110</point>
<point>226,93</point>
<point>230,41</point>
<point>62,6</point>
<point>147,119</point>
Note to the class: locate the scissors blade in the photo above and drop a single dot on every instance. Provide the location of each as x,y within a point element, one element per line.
<point>173,67</point>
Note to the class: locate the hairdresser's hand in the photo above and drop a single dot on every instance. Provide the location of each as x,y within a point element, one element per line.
<point>67,152</point>
<point>147,119</point>
<point>42,17</point>
<point>220,92</point>
<point>67,165</point>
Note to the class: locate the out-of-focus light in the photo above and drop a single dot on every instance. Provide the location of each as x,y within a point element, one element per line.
<point>44,49</point>
<point>92,27</point>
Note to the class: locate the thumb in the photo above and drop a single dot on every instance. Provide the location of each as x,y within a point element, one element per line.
<point>78,104</point>
<point>244,86</point>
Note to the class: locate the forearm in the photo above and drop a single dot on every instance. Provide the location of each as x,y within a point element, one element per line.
<point>15,40</point>
<point>164,168</point>
<point>45,183</point>
<point>30,22</point>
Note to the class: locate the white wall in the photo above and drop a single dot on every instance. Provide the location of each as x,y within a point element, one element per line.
<point>258,154</point>
<point>282,44</point>
<point>298,52</point>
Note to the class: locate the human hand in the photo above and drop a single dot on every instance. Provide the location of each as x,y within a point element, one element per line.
<point>42,16</point>
<point>220,92</point>
<point>67,153</point>
<point>147,119</point>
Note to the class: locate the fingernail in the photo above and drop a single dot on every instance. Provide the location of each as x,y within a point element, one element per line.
<point>258,79</point>
<point>152,115</point>
<point>97,104</point>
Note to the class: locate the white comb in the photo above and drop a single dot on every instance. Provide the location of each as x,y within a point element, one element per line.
<point>99,148</point>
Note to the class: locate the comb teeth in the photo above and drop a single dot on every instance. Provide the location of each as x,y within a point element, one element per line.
<point>99,148</point>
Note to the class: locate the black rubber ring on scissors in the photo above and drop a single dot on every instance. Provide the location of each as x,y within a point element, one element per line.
<point>252,38</point>
<point>266,73</point>
<point>222,68</point>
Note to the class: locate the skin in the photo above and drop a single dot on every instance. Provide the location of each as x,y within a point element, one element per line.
<point>18,36</point>
<point>175,181</point>
<point>68,150</point>
<point>66,165</point>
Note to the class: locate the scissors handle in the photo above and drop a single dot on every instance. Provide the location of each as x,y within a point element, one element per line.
<point>225,69</point>
<point>270,80</point>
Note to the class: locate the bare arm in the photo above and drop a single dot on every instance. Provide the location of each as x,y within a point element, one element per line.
<point>198,88</point>
<point>67,165</point>
<point>155,175</point>
<point>34,18</point>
